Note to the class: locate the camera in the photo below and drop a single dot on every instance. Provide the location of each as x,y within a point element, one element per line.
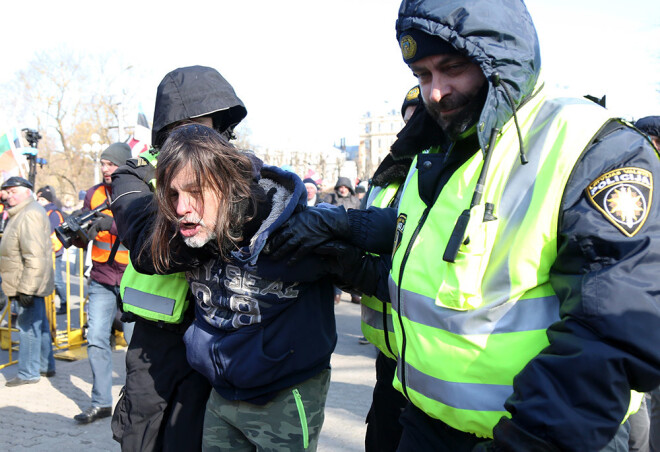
<point>73,228</point>
<point>32,136</point>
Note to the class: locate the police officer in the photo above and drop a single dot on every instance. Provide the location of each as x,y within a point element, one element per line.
<point>526,247</point>
<point>383,427</point>
<point>163,402</point>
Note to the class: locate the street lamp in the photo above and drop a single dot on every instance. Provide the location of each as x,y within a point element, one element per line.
<point>95,150</point>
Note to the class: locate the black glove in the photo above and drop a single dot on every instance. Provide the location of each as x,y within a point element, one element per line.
<point>353,269</point>
<point>25,300</point>
<point>307,230</point>
<point>103,222</point>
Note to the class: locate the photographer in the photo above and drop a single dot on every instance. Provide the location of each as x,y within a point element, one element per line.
<point>109,261</point>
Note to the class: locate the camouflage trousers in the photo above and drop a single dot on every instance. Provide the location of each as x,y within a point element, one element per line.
<point>292,421</point>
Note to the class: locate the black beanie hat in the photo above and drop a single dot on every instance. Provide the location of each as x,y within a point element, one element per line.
<point>309,180</point>
<point>412,98</point>
<point>650,125</point>
<point>416,44</point>
<point>16,181</point>
<point>117,153</point>
<point>46,193</point>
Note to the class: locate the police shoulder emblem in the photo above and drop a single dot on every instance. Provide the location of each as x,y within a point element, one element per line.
<point>408,47</point>
<point>413,93</point>
<point>398,234</point>
<point>623,196</point>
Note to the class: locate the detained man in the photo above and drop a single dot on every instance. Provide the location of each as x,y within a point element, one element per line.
<point>262,337</point>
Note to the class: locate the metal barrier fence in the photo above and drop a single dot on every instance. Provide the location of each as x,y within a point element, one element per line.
<point>71,338</point>
<point>5,336</point>
<point>67,342</point>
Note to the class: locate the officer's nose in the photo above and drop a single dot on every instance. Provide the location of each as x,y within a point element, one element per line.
<point>439,88</point>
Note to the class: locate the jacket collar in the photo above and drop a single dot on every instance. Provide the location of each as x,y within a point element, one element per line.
<point>18,207</point>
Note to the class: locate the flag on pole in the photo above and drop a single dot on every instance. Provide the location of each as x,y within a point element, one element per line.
<point>9,142</point>
<point>140,141</point>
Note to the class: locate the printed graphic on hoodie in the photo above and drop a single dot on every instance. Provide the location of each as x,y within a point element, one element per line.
<point>228,295</point>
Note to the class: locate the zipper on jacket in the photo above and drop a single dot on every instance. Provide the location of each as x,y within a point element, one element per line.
<point>394,203</point>
<point>386,333</point>
<point>402,352</point>
<point>302,416</point>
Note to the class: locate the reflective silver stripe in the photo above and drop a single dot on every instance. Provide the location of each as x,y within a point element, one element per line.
<point>374,319</point>
<point>373,194</point>
<point>464,396</point>
<point>105,246</point>
<point>149,301</point>
<point>514,203</point>
<point>522,315</point>
<point>411,172</point>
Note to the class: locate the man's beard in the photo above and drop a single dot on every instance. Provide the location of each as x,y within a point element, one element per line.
<point>204,236</point>
<point>468,115</point>
<point>199,240</point>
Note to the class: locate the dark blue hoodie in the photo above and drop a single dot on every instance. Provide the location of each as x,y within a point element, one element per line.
<point>260,325</point>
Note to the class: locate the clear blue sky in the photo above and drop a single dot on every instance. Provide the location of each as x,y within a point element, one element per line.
<point>308,70</point>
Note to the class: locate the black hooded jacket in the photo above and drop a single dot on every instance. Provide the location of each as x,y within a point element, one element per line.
<point>191,92</point>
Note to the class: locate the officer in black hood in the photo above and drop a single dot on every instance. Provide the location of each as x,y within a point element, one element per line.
<point>650,125</point>
<point>163,402</point>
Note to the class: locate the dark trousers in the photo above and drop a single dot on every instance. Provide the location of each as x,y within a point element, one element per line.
<point>163,402</point>
<point>383,427</point>
<point>423,433</point>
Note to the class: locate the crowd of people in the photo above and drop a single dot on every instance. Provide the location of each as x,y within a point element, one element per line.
<point>502,253</point>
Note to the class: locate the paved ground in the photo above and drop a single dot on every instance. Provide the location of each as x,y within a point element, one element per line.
<point>38,417</point>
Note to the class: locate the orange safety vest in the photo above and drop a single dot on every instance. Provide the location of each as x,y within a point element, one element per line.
<point>103,241</point>
<point>57,245</point>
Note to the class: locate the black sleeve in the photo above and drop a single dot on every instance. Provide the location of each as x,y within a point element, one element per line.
<point>373,229</point>
<point>133,206</point>
<point>576,392</point>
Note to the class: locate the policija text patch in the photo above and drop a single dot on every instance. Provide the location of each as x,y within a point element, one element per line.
<point>623,196</point>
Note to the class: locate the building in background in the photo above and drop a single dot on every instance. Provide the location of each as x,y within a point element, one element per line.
<point>379,129</point>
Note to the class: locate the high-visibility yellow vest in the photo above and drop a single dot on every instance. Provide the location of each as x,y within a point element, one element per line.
<point>470,326</point>
<point>159,298</point>
<point>376,315</point>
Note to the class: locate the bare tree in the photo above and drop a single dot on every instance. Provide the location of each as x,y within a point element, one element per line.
<point>68,97</point>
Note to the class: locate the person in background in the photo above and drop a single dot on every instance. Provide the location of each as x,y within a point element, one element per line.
<point>26,266</point>
<point>47,198</point>
<point>109,259</point>
<point>4,216</point>
<point>313,197</point>
<point>650,125</point>
<point>343,195</point>
<point>361,190</point>
<point>525,247</point>
<point>383,427</point>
